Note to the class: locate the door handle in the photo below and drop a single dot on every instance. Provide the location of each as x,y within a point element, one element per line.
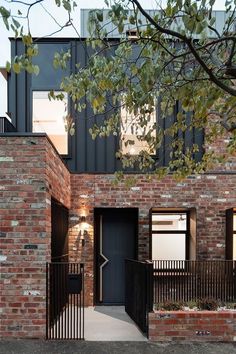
<point>103,260</point>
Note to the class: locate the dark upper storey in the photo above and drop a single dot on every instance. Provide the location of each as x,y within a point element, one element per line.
<point>85,154</point>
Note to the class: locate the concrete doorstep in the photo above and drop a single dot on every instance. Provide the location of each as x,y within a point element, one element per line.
<point>102,323</point>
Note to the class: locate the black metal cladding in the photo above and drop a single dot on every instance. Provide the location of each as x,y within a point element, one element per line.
<point>85,154</point>
<point>6,126</point>
<point>49,78</point>
<point>190,136</point>
<point>59,235</point>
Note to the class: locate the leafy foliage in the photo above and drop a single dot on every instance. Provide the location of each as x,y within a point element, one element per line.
<point>207,304</point>
<point>174,56</point>
<point>170,306</point>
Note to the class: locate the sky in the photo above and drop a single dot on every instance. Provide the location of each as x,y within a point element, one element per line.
<point>41,24</point>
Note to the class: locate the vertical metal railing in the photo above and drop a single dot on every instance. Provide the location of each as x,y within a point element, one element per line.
<point>191,280</point>
<point>153,282</point>
<point>65,300</point>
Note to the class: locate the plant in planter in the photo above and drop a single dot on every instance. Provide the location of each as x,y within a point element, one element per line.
<point>203,304</point>
<point>191,305</point>
<point>207,304</point>
<point>170,306</point>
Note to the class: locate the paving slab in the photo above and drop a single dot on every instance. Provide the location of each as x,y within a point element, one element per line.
<point>110,323</point>
<point>28,346</point>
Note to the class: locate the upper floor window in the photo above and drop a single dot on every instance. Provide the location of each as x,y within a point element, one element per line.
<point>48,117</point>
<point>132,132</point>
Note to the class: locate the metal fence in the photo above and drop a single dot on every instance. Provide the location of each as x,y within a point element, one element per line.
<point>153,282</point>
<point>191,280</point>
<point>138,291</point>
<point>65,301</point>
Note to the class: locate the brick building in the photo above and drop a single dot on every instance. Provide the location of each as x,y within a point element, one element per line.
<point>58,202</point>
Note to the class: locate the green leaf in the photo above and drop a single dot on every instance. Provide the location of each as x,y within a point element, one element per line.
<point>16,23</point>
<point>5,16</point>
<point>27,39</point>
<point>66,5</point>
<point>132,20</point>
<point>8,66</point>
<point>72,131</point>
<point>169,10</point>
<point>36,69</point>
<point>212,21</point>
<point>199,28</point>
<point>99,15</point>
<point>16,68</point>
<point>121,27</point>
<point>4,12</point>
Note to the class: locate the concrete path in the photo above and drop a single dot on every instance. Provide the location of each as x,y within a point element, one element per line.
<point>110,323</point>
<point>28,346</point>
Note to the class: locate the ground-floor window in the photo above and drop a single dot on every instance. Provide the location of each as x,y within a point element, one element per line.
<point>234,236</point>
<point>172,235</point>
<point>231,234</point>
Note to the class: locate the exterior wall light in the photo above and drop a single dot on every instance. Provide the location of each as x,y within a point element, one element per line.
<point>81,236</point>
<point>83,230</point>
<point>83,218</point>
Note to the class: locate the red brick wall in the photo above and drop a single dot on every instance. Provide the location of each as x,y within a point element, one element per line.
<point>192,326</point>
<point>30,172</point>
<point>211,195</point>
<point>57,176</point>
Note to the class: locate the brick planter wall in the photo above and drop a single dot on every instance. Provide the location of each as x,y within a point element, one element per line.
<point>192,326</point>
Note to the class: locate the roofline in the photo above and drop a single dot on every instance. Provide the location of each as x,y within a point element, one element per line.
<point>60,39</point>
<point>108,9</point>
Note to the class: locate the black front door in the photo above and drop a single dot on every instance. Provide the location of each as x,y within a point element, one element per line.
<point>116,240</point>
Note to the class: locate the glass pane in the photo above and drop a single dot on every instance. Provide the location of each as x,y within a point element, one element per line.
<point>234,247</point>
<point>161,222</point>
<point>131,131</point>
<point>48,117</point>
<point>234,227</point>
<point>168,246</point>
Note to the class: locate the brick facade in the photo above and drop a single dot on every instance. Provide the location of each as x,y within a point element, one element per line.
<point>192,326</point>
<point>210,194</point>
<point>31,172</point>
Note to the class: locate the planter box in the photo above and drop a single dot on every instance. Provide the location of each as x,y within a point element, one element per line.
<point>192,325</point>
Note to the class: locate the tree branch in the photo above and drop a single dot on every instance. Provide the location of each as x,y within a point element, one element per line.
<point>188,41</point>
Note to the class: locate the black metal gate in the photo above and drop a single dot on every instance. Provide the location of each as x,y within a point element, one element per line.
<point>139,291</point>
<point>65,301</point>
